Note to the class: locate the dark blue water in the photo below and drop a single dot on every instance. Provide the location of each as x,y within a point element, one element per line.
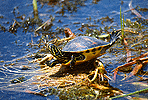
<point>95,11</point>
<point>15,46</point>
<point>7,41</point>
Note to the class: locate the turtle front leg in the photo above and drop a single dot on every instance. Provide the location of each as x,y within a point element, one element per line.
<point>72,61</point>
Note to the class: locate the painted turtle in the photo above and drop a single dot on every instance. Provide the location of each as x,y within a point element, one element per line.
<point>81,49</point>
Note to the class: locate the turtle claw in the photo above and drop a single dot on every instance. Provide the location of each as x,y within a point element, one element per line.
<point>95,76</point>
<point>100,72</point>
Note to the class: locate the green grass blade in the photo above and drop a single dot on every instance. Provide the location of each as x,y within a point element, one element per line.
<point>122,23</point>
<point>35,8</point>
<point>125,95</point>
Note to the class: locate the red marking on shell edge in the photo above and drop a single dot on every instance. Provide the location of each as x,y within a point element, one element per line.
<point>90,40</point>
<point>78,45</point>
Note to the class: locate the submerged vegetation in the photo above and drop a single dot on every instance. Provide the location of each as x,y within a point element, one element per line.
<point>130,53</point>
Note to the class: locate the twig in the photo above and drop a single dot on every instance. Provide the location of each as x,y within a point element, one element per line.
<point>134,11</point>
<point>42,25</point>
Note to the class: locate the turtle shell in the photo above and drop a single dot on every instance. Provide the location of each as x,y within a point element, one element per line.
<point>82,43</point>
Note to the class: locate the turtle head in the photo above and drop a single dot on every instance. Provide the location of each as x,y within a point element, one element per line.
<point>61,57</point>
<point>55,51</point>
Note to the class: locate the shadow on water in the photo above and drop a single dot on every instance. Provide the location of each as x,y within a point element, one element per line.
<point>20,44</point>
